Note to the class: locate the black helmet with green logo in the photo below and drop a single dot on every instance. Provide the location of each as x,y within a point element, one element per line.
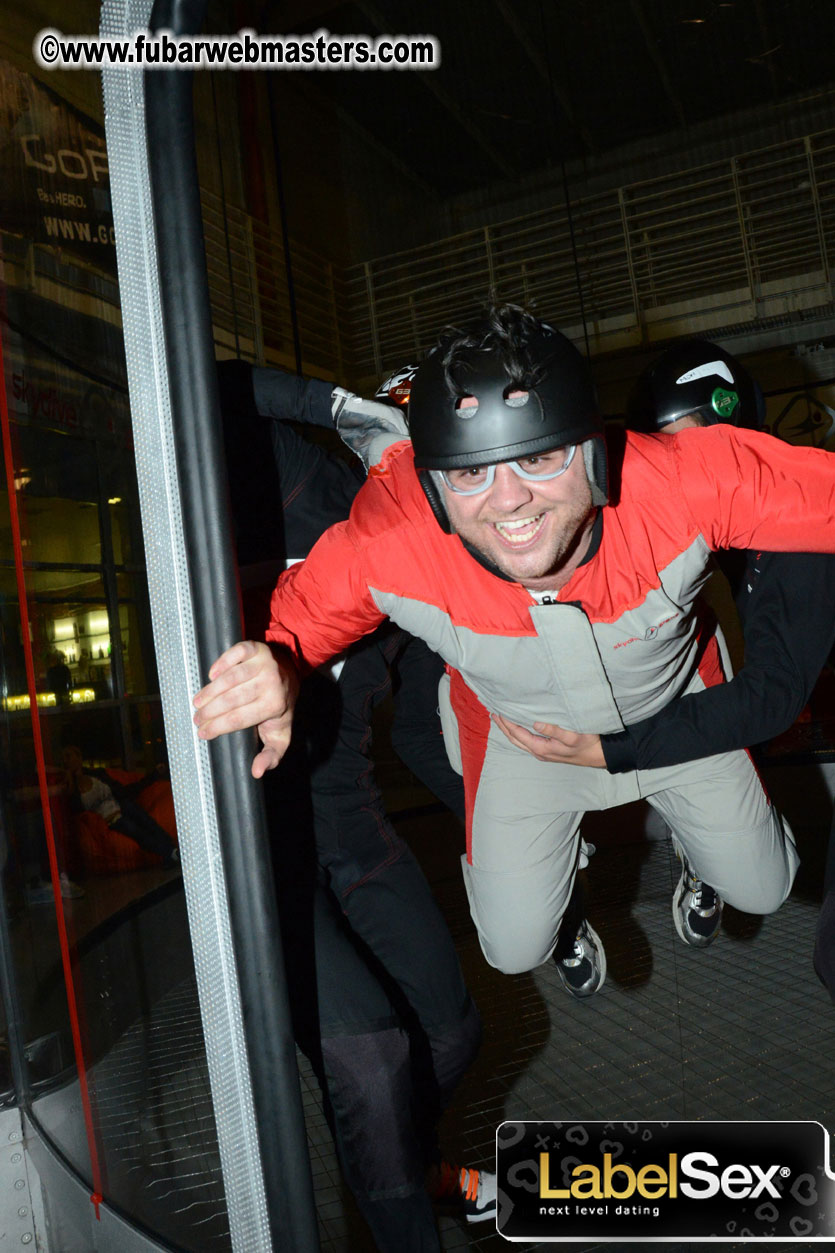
<point>694,377</point>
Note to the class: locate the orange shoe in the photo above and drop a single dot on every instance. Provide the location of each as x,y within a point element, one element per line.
<point>465,1192</point>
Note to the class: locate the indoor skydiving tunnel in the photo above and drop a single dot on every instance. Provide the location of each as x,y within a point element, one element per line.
<point>151,1093</point>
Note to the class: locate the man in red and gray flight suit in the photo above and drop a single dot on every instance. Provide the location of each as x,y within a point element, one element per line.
<point>786,604</point>
<point>554,598</point>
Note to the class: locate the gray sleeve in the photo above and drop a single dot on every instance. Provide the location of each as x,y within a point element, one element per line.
<point>368,427</point>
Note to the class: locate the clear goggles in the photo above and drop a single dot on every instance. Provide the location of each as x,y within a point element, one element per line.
<point>470,480</point>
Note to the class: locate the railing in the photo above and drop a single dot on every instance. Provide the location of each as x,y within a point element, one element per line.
<point>734,241</point>
<point>729,243</point>
<point>249,289</point>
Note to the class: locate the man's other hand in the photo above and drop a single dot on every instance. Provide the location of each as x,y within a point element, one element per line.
<point>250,687</point>
<point>552,743</point>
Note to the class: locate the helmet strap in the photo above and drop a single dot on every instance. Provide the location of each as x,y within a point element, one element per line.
<point>594,459</point>
<point>432,483</point>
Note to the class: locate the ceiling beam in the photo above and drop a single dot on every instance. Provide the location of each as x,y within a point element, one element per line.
<point>658,61</point>
<point>293,17</point>
<point>303,85</point>
<point>770,46</point>
<point>430,82</point>
<point>532,50</point>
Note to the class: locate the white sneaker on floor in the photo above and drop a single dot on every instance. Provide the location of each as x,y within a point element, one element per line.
<point>70,891</point>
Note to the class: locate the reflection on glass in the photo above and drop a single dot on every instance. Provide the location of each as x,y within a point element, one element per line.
<point>7,1096</point>
<point>147,733</point>
<point>92,854</point>
<point>70,635</point>
<point>132,973</point>
<point>30,828</point>
<point>94,877</point>
<point>138,659</point>
<point>120,491</point>
<point>57,499</point>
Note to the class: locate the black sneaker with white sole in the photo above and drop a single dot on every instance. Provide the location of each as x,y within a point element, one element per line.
<point>697,907</point>
<point>583,971</point>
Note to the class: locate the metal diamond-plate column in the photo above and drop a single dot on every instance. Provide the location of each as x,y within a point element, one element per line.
<point>227,876</point>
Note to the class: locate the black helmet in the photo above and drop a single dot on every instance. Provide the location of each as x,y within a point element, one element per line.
<point>510,352</point>
<point>395,390</point>
<point>694,377</point>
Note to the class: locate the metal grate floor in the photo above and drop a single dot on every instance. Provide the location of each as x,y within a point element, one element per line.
<point>157,1126</point>
<point>675,1033</point>
<point>742,1030</point>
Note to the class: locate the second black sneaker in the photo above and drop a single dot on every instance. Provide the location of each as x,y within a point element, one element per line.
<point>697,907</point>
<point>583,971</point>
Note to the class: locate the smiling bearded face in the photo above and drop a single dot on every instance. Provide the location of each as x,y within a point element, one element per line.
<point>531,530</point>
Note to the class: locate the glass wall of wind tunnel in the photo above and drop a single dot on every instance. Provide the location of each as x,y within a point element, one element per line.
<point>99,940</point>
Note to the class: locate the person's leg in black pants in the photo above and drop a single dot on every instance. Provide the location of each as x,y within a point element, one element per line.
<point>416,730</point>
<point>140,827</point>
<point>378,883</point>
<point>346,1025</point>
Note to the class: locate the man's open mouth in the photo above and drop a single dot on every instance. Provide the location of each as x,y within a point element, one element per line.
<point>520,531</point>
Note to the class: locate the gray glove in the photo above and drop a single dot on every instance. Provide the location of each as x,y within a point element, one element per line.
<point>368,427</point>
